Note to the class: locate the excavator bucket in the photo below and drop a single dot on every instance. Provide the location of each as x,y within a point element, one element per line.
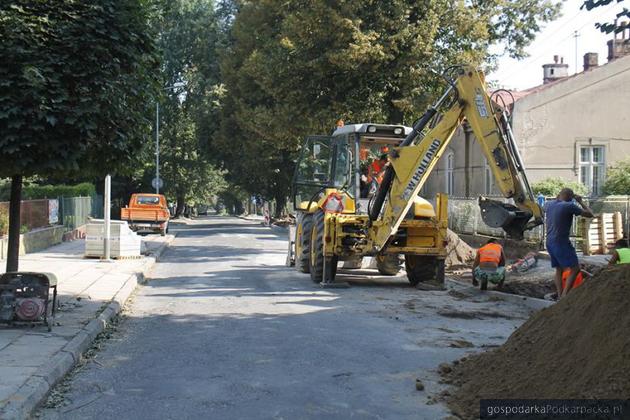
<point>510,218</point>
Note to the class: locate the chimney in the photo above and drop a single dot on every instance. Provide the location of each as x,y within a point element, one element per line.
<point>591,60</point>
<point>556,70</point>
<point>619,46</point>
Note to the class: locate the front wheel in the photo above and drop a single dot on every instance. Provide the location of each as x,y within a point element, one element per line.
<point>322,268</point>
<point>303,242</point>
<point>421,268</point>
<point>388,264</point>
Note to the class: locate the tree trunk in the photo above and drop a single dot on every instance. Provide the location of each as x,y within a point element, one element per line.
<point>13,252</point>
<point>181,204</point>
<point>281,200</point>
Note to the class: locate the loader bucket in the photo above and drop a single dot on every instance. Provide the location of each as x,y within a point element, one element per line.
<point>510,218</point>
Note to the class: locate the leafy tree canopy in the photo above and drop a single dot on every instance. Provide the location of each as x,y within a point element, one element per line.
<point>75,78</point>
<point>550,187</point>
<point>618,178</point>
<point>295,67</point>
<point>608,27</point>
<point>188,39</point>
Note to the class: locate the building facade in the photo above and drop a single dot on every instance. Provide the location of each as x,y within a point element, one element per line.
<point>572,127</point>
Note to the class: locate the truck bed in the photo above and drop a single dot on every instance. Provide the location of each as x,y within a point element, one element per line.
<point>144,215</point>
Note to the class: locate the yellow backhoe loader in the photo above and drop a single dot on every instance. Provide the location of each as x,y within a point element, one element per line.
<point>356,192</point>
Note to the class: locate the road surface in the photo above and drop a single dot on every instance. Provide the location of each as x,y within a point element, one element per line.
<point>224,330</point>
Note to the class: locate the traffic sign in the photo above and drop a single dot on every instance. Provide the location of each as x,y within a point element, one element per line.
<point>157,183</point>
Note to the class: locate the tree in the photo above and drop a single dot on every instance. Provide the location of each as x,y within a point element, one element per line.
<point>294,68</point>
<point>618,178</point>
<point>550,187</point>
<point>190,178</point>
<point>76,80</point>
<point>608,27</point>
<point>188,39</point>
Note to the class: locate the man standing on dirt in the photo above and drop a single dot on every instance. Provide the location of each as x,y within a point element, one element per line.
<point>559,218</point>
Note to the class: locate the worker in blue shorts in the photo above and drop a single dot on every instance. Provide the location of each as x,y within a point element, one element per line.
<point>559,218</point>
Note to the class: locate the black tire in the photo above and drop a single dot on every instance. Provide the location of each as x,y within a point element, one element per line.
<point>303,252</point>
<point>388,264</point>
<point>484,284</point>
<point>424,269</point>
<point>317,261</point>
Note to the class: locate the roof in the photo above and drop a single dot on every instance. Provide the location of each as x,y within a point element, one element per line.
<point>520,94</point>
<point>363,128</point>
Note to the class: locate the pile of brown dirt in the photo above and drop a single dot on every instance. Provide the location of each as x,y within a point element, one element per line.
<point>458,252</point>
<point>577,348</point>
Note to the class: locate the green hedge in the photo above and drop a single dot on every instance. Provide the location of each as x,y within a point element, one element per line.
<point>550,187</point>
<point>33,192</point>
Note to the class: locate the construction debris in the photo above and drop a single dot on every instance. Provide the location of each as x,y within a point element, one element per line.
<point>458,252</point>
<point>524,264</point>
<point>575,349</point>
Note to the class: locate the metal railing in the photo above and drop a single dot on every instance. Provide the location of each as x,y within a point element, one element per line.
<point>611,204</point>
<point>33,213</point>
<point>74,211</point>
<point>71,212</point>
<point>464,216</point>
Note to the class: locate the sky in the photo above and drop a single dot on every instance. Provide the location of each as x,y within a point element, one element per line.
<point>557,38</point>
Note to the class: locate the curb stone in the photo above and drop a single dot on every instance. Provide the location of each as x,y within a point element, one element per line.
<point>36,388</point>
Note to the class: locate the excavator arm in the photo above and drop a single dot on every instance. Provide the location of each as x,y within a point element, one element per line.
<point>413,162</point>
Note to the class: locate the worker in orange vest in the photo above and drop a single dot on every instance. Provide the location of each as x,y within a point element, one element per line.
<point>579,279</point>
<point>377,169</point>
<point>489,265</point>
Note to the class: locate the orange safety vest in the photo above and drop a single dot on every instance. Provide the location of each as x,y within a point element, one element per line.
<point>578,280</point>
<point>375,171</point>
<point>490,253</point>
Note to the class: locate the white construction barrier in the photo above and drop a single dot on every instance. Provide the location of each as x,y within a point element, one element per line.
<point>123,241</point>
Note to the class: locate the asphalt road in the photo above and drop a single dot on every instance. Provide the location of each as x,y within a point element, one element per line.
<point>225,331</point>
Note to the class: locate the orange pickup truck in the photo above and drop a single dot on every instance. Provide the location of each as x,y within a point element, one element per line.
<point>147,212</point>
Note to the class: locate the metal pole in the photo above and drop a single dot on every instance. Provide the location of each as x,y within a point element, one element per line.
<point>157,147</point>
<point>107,217</point>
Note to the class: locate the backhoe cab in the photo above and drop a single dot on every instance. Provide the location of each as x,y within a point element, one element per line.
<point>356,192</point>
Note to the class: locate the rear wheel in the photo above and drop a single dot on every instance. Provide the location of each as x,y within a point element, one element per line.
<point>424,269</point>
<point>303,242</point>
<point>388,264</point>
<point>323,269</point>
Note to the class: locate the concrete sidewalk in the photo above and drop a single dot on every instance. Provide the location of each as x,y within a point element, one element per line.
<point>91,292</point>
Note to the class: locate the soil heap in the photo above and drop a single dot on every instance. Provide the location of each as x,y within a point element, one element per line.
<point>577,348</point>
<point>458,252</point>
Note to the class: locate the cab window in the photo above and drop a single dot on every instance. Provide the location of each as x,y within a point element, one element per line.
<point>148,200</point>
<point>315,163</point>
<point>342,177</point>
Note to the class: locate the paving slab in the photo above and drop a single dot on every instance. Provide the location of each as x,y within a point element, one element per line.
<point>90,293</point>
